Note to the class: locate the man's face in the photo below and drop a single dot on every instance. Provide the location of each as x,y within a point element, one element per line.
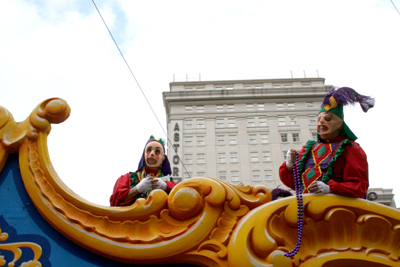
<point>154,154</point>
<point>328,125</point>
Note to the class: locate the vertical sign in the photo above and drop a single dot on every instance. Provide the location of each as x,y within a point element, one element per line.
<point>176,146</point>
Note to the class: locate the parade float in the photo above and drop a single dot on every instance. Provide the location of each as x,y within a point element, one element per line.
<point>204,221</point>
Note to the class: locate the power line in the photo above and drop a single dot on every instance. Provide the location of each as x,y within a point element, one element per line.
<point>395,7</point>
<point>130,70</point>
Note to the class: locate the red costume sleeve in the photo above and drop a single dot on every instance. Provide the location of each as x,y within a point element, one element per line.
<point>121,189</point>
<point>286,176</point>
<point>350,173</point>
<point>170,185</point>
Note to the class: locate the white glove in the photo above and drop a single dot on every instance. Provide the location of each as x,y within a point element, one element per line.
<point>159,184</point>
<point>325,189</point>
<point>289,162</point>
<point>144,185</point>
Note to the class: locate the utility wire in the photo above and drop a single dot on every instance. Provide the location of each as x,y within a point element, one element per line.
<point>130,70</point>
<point>395,7</point>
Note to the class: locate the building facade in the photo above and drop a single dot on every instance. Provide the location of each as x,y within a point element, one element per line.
<point>382,196</point>
<point>240,130</point>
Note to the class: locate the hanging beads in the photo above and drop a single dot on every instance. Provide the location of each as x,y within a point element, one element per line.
<point>299,196</point>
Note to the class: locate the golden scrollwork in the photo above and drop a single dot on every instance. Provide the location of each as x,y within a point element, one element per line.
<point>193,223</point>
<point>203,221</point>
<point>16,249</point>
<point>337,231</point>
<point>196,210</point>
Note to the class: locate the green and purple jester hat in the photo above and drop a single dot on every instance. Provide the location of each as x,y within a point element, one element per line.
<point>337,98</point>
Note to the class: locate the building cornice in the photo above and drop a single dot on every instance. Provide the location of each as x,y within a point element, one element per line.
<point>240,94</point>
<point>220,82</point>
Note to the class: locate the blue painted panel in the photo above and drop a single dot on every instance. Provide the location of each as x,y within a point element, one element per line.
<point>23,223</point>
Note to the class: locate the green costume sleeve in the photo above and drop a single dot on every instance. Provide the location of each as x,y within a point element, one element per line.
<point>134,179</point>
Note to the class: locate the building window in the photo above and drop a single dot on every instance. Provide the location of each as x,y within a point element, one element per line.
<point>314,136</point>
<point>200,88</point>
<point>279,106</point>
<point>200,108</point>
<point>188,108</point>
<point>296,137</point>
<point>188,140</point>
<point>284,138</point>
<point>222,176</point>
<point>249,107</point>
<point>247,87</point>
<point>254,156</point>
<point>200,123</point>
<point>253,139</point>
<point>281,121</point>
<point>229,87</point>
<point>189,88</point>
<point>258,86</point>
<point>235,176</point>
<point>264,138</point>
<point>284,155</point>
<point>313,120</point>
<point>290,105</point>
<point>262,121</point>
<point>231,122</point>
<point>256,175</point>
<point>310,105</point>
<point>188,124</point>
<point>261,107</point>
<point>305,84</point>
<point>188,175</point>
<point>251,122</point>
<point>293,120</point>
<point>233,157</point>
<point>188,158</point>
<point>220,108</point>
<point>201,158</point>
<point>221,157</point>
<point>232,139</point>
<point>268,175</point>
<point>231,108</point>
<point>201,174</point>
<point>220,139</point>
<point>277,86</point>
<point>266,156</point>
<point>220,122</point>
<point>218,88</point>
<point>200,140</point>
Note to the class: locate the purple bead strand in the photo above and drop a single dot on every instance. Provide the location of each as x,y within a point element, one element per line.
<point>299,196</point>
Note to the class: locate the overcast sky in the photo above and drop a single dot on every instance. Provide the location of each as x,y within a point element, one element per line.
<point>62,49</point>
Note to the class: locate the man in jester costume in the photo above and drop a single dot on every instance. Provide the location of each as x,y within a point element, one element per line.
<point>335,163</point>
<point>153,172</point>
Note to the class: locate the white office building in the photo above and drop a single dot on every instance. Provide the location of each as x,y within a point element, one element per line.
<point>240,130</point>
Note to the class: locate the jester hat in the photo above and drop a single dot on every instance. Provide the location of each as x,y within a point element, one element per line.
<point>337,98</point>
<point>280,193</point>
<point>165,166</point>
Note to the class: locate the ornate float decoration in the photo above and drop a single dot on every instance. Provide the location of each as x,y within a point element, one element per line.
<point>203,221</point>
